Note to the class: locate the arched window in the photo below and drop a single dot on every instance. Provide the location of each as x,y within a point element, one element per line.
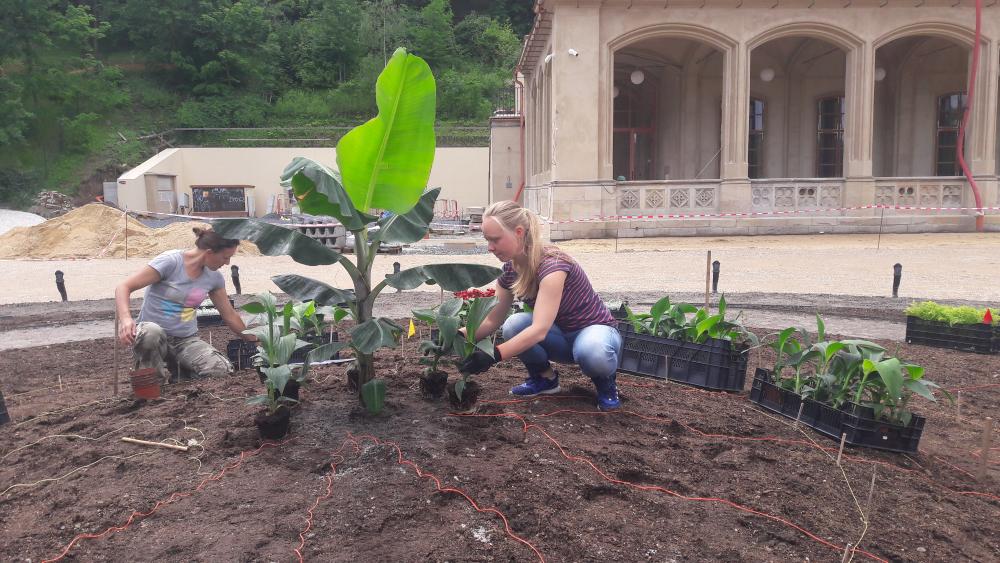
<point>830,137</point>
<point>949,117</point>
<point>634,131</point>
<point>755,144</point>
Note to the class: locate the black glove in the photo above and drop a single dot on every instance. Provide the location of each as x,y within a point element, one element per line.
<point>479,361</point>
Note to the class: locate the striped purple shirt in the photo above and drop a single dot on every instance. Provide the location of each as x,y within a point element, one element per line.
<point>580,306</point>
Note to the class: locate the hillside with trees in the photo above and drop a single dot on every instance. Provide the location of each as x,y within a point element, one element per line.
<point>89,88</point>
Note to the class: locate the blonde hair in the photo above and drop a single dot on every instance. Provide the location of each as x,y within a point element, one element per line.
<point>510,215</point>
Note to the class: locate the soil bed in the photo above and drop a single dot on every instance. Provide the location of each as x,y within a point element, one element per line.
<point>689,444</point>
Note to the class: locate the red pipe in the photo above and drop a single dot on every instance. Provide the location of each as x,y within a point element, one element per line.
<point>980,217</point>
<point>520,111</point>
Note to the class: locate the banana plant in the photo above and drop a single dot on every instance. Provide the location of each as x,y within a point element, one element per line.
<point>382,164</point>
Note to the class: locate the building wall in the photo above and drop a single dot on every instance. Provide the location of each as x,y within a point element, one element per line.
<point>462,173</point>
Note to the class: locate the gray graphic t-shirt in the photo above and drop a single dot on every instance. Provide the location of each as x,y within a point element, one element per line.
<point>172,301</point>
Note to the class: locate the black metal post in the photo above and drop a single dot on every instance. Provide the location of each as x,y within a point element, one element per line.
<point>897,274</point>
<point>236,279</point>
<point>395,270</point>
<point>716,265</point>
<point>61,285</point>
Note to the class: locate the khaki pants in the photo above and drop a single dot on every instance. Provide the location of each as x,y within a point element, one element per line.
<point>153,348</point>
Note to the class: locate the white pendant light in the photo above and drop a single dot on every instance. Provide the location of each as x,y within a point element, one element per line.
<point>615,91</point>
<point>767,74</point>
<point>637,77</point>
<point>879,74</point>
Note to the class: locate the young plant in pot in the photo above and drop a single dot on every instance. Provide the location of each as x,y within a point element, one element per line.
<point>446,319</point>
<point>464,393</point>
<point>383,164</point>
<point>275,344</point>
<point>273,421</point>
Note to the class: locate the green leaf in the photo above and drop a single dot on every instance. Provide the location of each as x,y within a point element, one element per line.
<point>459,388</point>
<point>284,348</point>
<point>258,400</point>
<point>273,240</point>
<point>320,354</point>
<point>411,226</point>
<point>373,394</point>
<point>386,162</point>
<point>279,376</point>
<point>307,289</point>
<point>451,277</point>
<point>920,388</point>
<point>253,308</point>
<point>423,315</point>
<point>374,334</point>
<point>450,307</point>
<point>820,329</point>
<point>891,373</point>
<point>448,328</point>
<point>319,191</point>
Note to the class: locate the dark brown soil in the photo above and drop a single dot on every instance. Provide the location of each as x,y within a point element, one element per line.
<point>678,474</point>
<point>432,385</point>
<point>469,397</point>
<point>273,426</point>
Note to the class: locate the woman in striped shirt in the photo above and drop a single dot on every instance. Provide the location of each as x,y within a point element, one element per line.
<point>568,322</point>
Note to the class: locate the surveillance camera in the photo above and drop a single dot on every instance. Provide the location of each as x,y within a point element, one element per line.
<point>573,52</point>
<point>548,58</point>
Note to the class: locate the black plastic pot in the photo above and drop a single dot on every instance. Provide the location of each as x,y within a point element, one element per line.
<point>240,352</point>
<point>981,338</point>
<point>273,426</point>
<point>713,365</point>
<point>863,429</point>
<point>4,415</point>
<point>432,386</point>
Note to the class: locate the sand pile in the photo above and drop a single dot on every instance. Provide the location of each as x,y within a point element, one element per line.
<point>99,231</point>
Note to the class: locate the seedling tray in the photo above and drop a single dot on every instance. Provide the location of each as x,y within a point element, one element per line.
<point>240,353</point>
<point>773,398</point>
<point>863,429</point>
<point>299,356</point>
<point>981,338</point>
<point>713,365</point>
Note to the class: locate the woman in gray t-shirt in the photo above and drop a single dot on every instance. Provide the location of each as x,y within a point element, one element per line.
<point>176,282</point>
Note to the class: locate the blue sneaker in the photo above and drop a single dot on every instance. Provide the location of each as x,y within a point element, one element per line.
<point>536,386</point>
<point>607,394</point>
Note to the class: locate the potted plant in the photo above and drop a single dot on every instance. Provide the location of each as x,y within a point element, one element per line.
<point>445,323</point>
<point>274,420</point>
<point>382,164</point>
<point>464,393</point>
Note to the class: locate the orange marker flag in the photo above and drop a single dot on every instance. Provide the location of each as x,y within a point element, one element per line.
<point>988,317</point>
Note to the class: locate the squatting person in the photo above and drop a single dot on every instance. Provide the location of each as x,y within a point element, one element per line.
<point>568,322</point>
<point>176,282</point>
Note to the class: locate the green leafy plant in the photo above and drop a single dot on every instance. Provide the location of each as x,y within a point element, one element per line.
<point>383,164</point>
<point>273,399</point>
<point>931,311</point>
<point>478,309</point>
<point>683,321</point>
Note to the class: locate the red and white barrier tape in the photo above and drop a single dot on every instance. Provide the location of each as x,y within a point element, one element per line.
<point>653,217</point>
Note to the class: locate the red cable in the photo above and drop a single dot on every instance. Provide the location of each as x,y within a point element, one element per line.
<point>244,455</point>
<point>973,71</point>
<point>528,426</point>
<point>401,460</point>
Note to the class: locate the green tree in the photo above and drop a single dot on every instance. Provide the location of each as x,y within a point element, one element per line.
<point>434,35</point>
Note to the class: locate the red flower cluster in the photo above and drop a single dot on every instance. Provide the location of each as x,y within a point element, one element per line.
<point>475,293</point>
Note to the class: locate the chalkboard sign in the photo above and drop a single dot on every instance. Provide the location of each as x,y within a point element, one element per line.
<point>218,199</point>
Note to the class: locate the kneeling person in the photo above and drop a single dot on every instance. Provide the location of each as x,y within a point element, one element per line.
<point>176,282</point>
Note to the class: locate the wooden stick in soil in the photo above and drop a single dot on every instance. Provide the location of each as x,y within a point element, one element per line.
<point>114,379</point>
<point>871,492</point>
<point>986,443</point>
<point>798,417</point>
<point>847,554</point>
<point>843,439</point>
<point>708,279</point>
<point>156,444</point>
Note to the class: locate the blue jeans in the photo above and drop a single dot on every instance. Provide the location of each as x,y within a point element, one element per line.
<point>595,348</point>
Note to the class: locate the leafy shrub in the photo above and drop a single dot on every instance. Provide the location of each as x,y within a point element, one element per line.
<point>16,187</point>
<point>963,315</point>
<point>80,133</point>
<point>229,111</point>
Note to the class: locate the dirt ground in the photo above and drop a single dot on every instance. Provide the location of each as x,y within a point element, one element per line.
<point>678,475</point>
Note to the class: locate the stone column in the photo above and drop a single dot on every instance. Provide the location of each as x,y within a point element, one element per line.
<point>859,88</point>
<point>981,138</point>
<point>505,157</point>
<point>734,190</point>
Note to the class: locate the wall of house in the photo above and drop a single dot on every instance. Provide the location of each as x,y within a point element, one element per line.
<point>462,172</point>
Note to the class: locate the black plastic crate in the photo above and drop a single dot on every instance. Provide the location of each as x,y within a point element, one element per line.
<point>4,415</point>
<point>823,418</point>
<point>981,338</point>
<point>713,365</point>
<point>864,429</point>
<point>210,320</point>
<point>765,393</point>
<point>240,352</point>
<point>299,356</point>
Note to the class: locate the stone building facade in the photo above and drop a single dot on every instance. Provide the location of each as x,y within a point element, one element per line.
<point>805,112</point>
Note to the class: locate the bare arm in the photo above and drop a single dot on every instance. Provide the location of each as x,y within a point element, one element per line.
<point>126,325</point>
<point>550,291</point>
<point>229,315</point>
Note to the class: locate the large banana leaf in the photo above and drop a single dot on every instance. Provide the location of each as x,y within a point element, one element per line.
<point>451,277</point>
<point>273,240</point>
<point>302,288</point>
<point>319,191</point>
<point>386,162</point>
<point>374,334</point>
<point>412,226</point>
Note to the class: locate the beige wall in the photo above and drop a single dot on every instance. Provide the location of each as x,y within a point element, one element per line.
<point>461,172</point>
